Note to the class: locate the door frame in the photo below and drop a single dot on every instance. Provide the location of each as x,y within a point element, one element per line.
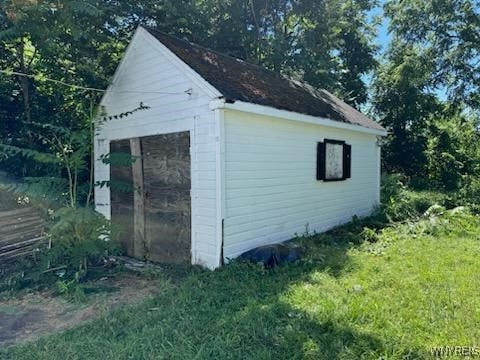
<point>176,127</point>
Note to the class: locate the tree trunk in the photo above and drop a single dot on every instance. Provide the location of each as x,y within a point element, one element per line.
<point>24,81</point>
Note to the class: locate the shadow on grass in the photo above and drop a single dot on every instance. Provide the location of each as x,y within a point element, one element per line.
<point>240,311</point>
<point>264,324</point>
<point>330,249</point>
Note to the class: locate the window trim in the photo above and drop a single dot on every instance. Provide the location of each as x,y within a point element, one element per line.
<point>321,160</point>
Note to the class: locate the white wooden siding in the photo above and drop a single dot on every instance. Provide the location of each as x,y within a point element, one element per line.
<point>271,191</point>
<point>150,75</point>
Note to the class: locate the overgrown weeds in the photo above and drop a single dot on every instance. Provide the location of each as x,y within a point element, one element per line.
<point>78,237</point>
<point>403,212</point>
<point>79,243</point>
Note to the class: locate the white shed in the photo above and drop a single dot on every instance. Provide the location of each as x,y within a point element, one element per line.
<point>229,156</point>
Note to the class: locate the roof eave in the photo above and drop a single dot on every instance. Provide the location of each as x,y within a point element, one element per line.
<point>290,115</point>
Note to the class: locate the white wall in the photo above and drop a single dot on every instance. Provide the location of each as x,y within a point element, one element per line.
<point>271,191</point>
<point>146,74</point>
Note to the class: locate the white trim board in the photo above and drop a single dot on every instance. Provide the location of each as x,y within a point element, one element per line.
<point>193,196</point>
<point>220,180</point>
<point>161,128</point>
<point>290,115</point>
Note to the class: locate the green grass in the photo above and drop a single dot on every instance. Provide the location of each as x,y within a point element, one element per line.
<point>415,286</point>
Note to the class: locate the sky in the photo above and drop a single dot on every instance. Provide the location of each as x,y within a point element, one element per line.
<point>382,40</point>
<point>383,37</point>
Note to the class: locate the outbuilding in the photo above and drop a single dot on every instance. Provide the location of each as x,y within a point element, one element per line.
<point>228,156</point>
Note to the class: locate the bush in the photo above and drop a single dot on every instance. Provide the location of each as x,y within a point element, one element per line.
<point>452,152</point>
<point>392,185</point>
<point>469,193</point>
<point>79,241</point>
<point>399,203</point>
<point>78,237</point>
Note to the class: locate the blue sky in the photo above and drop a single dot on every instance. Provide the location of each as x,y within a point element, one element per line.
<point>383,38</point>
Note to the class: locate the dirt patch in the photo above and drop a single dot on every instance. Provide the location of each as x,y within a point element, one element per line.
<point>39,314</point>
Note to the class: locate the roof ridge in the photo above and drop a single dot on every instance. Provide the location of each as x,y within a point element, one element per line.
<point>174,37</point>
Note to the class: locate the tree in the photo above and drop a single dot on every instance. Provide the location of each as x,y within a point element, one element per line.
<point>66,40</point>
<point>434,142</point>
<point>356,50</point>
<point>448,31</point>
<point>434,50</point>
<point>453,152</point>
<point>404,104</point>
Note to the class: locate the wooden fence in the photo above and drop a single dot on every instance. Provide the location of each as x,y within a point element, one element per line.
<point>21,232</point>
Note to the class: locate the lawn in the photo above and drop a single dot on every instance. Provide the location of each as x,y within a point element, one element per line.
<point>411,287</point>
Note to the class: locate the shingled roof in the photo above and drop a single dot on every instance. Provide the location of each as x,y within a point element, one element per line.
<point>238,80</point>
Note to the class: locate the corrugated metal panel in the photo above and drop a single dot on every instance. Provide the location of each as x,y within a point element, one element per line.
<point>21,232</point>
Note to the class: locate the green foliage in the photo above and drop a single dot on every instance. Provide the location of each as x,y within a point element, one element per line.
<point>118,158</point>
<point>391,187</point>
<point>78,237</point>
<point>453,153</point>
<point>70,290</point>
<point>448,32</point>
<point>403,105</point>
<point>118,185</point>
<point>469,193</point>
<point>425,93</point>
<point>67,151</point>
<point>64,40</point>
<point>399,203</point>
<point>48,189</point>
<point>428,137</point>
<point>414,288</point>
<point>70,153</point>
<point>80,241</point>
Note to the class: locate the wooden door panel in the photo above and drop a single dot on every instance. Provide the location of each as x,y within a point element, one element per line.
<point>167,183</point>
<point>121,197</point>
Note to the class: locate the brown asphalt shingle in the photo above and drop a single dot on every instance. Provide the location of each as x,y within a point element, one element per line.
<point>238,80</point>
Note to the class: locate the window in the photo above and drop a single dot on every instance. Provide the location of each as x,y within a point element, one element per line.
<point>333,160</point>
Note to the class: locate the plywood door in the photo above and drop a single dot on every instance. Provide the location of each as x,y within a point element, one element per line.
<point>121,194</point>
<point>167,183</point>
<point>150,198</point>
